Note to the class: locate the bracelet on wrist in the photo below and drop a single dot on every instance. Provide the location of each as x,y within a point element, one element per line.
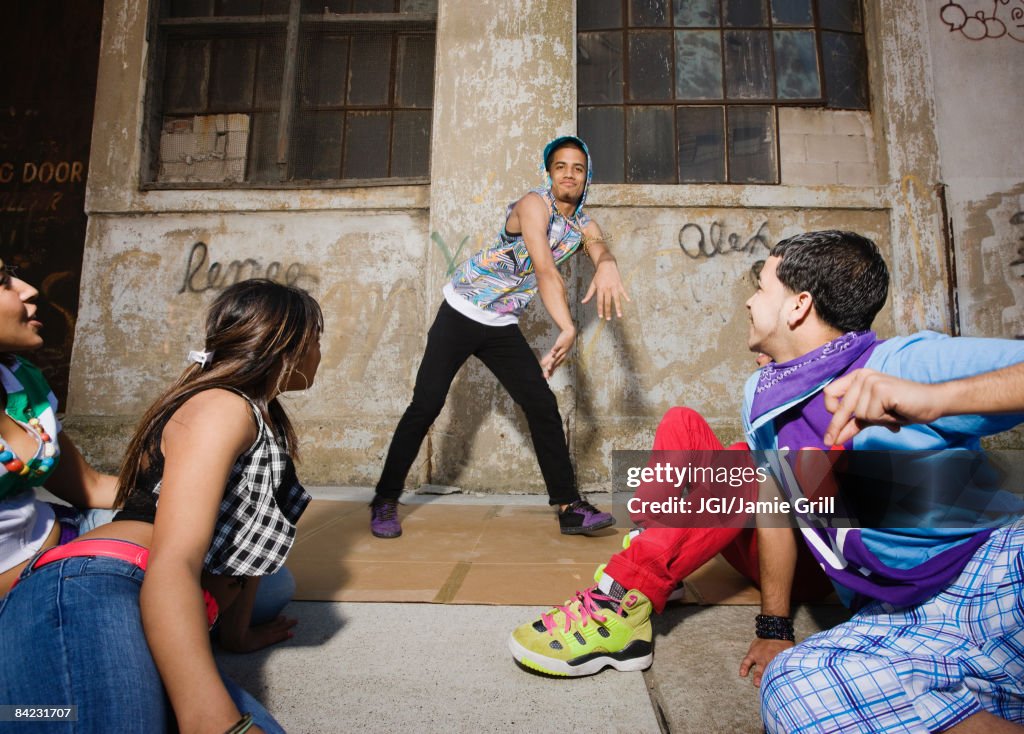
<point>770,627</point>
<point>242,725</point>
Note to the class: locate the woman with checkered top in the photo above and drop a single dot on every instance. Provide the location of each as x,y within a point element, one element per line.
<point>210,501</point>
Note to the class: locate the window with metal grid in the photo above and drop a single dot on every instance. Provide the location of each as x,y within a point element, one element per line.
<point>279,93</point>
<point>687,91</point>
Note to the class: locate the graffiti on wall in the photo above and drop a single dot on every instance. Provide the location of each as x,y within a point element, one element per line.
<point>698,243</point>
<point>204,274</point>
<point>995,19</point>
<point>451,259</point>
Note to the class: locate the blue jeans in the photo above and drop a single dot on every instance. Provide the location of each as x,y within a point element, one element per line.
<point>275,591</point>
<point>72,634</point>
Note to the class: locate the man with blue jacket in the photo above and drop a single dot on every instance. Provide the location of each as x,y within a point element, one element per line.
<point>936,642</point>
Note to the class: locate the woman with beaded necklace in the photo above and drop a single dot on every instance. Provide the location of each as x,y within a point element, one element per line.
<point>33,450</point>
<point>116,622</point>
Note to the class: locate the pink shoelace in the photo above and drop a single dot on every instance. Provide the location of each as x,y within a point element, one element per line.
<point>586,601</point>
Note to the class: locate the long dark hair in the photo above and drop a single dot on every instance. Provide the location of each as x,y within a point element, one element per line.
<point>6,358</point>
<point>257,331</point>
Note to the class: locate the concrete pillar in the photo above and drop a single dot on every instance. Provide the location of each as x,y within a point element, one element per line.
<point>505,84</point>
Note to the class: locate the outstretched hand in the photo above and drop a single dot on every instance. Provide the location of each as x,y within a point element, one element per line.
<point>761,653</point>
<point>550,361</point>
<point>607,285</point>
<point>868,398</point>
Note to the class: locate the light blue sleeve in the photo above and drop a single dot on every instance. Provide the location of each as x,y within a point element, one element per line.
<point>930,358</point>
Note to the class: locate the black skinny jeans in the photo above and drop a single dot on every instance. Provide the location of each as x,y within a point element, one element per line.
<point>452,339</point>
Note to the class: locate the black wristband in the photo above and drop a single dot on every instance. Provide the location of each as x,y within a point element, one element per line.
<point>769,627</point>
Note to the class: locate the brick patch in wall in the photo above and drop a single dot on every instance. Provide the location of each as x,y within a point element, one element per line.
<point>204,149</point>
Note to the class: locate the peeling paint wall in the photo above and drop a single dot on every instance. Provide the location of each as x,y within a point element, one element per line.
<point>903,99</point>
<point>505,86</point>
<point>378,257</point>
<point>979,107</point>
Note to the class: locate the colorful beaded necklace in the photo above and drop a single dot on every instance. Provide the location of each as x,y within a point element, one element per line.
<point>39,467</point>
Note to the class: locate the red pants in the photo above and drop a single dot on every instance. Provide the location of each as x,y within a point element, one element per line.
<point>659,558</point>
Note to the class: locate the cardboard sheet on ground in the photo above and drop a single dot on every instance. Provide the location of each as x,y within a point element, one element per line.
<point>466,554</point>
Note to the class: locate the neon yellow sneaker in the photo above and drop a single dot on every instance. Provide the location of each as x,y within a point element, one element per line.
<point>586,635</point>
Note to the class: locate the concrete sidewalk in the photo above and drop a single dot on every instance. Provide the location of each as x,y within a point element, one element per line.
<point>377,667</point>
<point>445,668</point>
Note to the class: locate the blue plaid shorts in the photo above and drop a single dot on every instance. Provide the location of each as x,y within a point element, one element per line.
<point>913,669</point>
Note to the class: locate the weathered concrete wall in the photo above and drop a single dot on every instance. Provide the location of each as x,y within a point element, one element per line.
<point>152,277</point>
<point>155,259</point>
<point>904,119</point>
<point>976,66</point>
<point>377,258</point>
<point>684,341</point>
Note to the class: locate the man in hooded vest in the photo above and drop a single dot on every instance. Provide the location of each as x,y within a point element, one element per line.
<point>479,317</point>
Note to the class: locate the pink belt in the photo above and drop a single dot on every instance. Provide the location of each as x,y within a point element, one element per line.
<point>121,550</point>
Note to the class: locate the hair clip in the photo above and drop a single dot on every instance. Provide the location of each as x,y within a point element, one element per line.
<point>200,358</point>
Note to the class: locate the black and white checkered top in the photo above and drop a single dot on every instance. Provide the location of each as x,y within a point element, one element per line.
<point>263,501</point>
<point>256,520</point>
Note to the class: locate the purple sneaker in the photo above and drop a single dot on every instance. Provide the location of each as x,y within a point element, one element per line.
<point>384,521</point>
<point>582,517</point>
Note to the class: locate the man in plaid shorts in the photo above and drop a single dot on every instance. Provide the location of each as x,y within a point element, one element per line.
<point>936,642</point>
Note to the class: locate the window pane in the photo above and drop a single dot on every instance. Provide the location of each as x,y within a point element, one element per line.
<point>415,71</point>
<point>410,144</point>
<point>185,76</point>
<point>324,71</point>
<point>650,65</point>
<point>697,13</point>
<point>604,130</point>
<point>648,13</point>
<point>839,15</point>
<point>316,145</point>
<point>373,6</point>
<point>269,70</point>
<point>370,72</point>
<point>846,75</point>
<point>319,7</point>
<point>263,148</point>
<point>752,13</point>
<point>591,14</point>
<point>232,74</point>
<point>796,65</point>
<point>418,6</point>
<point>189,8</point>
<point>698,65</point>
<point>599,67</point>
<point>701,138</point>
<point>366,145</point>
<point>792,12</point>
<point>748,65</point>
<point>752,145</point>
<point>237,7</point>
<point>650,145</point>
<point>276,7</point>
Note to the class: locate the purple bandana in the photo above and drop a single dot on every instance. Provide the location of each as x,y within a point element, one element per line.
<point>779,384</point>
